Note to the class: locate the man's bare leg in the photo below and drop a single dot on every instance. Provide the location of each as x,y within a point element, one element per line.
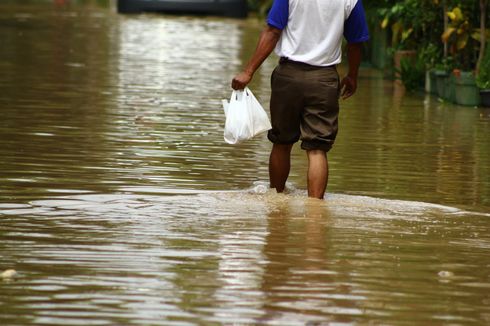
<point>279,165</point>
<point>317,173</point>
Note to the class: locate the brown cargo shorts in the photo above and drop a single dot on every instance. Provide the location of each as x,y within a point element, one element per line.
<point>304,105</point>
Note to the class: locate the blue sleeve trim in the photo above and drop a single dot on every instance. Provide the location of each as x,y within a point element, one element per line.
<point>279,14</point>
<point>355,27</point>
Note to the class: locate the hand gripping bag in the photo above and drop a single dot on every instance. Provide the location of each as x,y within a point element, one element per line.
<point>245,117</point>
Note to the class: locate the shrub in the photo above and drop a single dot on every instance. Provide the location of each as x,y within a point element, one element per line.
<point>412,73</point>
<point>483,78</point>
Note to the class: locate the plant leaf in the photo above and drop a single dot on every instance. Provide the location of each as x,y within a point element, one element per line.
<point>447,34</point>
<point>476,34</point>
<point>458,13</point>
<point>406,34</point>
<point>384,23</point>
<point>451,15</point>
<point>462,41</point>
<point>397,29</point>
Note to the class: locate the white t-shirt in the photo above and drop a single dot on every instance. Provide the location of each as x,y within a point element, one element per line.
<point>312,30</point>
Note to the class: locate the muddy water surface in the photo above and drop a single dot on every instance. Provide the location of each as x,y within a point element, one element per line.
<point>120,203</point>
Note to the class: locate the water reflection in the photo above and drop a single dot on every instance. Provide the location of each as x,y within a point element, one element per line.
<point>298,281</point>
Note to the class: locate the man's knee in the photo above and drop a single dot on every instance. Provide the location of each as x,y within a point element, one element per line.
<point>316,153</point>
<point>282,147</point>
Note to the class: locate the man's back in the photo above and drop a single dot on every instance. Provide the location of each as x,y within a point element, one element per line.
<point>313,29</point>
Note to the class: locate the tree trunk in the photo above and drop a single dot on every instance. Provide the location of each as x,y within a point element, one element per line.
<point>483,14</point>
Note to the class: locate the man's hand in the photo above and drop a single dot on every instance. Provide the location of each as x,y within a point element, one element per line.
<point>241,80</point>
<point>267,42</point>
<point>348,87</point>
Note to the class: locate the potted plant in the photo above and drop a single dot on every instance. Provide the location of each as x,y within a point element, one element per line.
<point>483,63</point>
<point>449,93</point>
<point>412,73</point>
<point>411,22</point>
<point>466,90</point>
<point>461,39</point>
<point>444,87</point>
<point>483,79</point>
<point>401,47</point>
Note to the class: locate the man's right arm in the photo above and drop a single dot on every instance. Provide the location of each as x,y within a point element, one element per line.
<point>266,44</point>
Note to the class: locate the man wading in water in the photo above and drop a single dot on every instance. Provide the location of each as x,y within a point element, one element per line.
<point>307,36</point>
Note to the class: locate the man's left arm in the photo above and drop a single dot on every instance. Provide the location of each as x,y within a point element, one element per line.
<point>355,32</point>
<point>348,85</point>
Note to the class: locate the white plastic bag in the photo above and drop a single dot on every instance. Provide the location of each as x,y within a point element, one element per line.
<point>245,117</point>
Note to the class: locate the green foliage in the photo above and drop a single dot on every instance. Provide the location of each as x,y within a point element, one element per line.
<point>446,64</point>
<point>459,36</point>
<point>260,6</point>
<point>430,55</point>
<point>419,25</point>
<point>412,73</point>
<point>253,5</point>
<point>483,78</point>
<point>412,23</point>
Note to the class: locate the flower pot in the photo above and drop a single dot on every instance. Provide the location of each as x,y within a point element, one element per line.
<point>449,92</point>
<point>466,91</point>
<point>431,84</point>
<point>485,97</point>
<point>441,76</point>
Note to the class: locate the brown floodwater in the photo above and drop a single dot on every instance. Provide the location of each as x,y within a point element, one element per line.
<point>121,204</point>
